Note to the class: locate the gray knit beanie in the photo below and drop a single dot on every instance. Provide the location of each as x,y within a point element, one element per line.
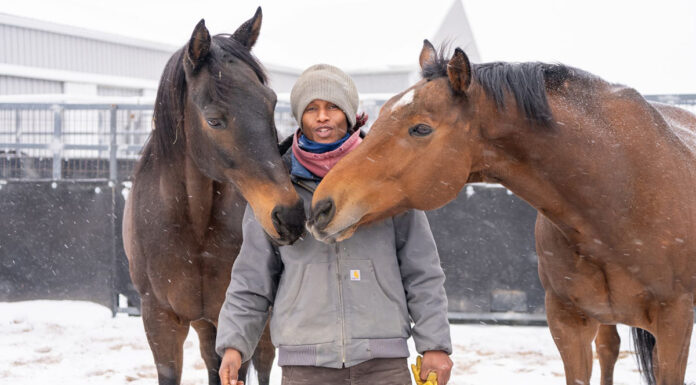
<point>325,82</point>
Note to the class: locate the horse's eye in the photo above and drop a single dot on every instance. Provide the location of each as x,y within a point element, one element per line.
<point>420,130</point>
<point>214,123</point>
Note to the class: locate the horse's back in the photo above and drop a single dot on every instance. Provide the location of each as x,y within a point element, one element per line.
<point>681,122</point>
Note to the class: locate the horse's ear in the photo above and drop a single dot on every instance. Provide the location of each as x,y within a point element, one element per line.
<point>199,46</point>
<point>248,32</point>
<point>459,71</point>
<point>428,54</point>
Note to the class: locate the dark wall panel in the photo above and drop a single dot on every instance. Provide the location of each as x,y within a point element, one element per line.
<point>486,242</point>
<point>57,242</point>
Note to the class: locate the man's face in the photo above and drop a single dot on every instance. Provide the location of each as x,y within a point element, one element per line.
<point>324,122</point>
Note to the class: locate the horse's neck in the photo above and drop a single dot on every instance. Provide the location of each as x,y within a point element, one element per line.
<point>184,187</point>
<point>199,195</point>
<point>579,175</point>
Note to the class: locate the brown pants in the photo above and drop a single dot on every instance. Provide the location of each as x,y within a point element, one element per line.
<point>378,371</point>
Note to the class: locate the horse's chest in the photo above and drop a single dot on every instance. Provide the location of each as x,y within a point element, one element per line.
<point>191,275</point>
<point>206,258</point>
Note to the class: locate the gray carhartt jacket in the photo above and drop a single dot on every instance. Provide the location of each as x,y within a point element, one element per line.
<point>340,304</point>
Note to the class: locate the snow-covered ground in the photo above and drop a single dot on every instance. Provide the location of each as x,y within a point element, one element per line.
<point>69,342</point>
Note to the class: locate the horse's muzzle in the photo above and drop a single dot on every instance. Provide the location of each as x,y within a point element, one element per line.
<point>289,222</point>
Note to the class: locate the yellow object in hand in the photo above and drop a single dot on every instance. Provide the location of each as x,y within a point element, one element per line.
<point>416,369</point>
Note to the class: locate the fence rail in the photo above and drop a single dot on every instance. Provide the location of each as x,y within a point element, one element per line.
<point>58,141</point>
<point>71,141</point>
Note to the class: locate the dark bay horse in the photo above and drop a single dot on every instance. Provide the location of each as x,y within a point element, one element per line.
<point>213,145</point>
<point>611,175</point>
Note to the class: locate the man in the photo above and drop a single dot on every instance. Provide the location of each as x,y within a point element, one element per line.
<point>341,312</point>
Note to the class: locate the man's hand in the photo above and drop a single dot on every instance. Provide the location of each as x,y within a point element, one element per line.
<point>416,369</point>
<point>439,362</point>
<point>229,369</point>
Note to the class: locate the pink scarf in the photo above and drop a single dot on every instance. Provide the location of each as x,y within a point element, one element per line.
<point>320,164</point>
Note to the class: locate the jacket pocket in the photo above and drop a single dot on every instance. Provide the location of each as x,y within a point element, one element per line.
<point>369,311</point>
<point>306,307</point>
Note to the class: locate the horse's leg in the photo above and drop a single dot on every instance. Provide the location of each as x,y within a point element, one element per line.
<point>166,333</point>
<point>673,326</point>
<point>572,330</point>
<point>242,373</point>
<point>608,344</point>
<point>573,334</point>
<point>263,357</point>
<point>206,336</point>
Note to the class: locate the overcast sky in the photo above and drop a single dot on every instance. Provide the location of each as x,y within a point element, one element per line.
<point>650,45</point>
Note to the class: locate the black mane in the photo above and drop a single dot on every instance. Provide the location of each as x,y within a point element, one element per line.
<point>527,82</point>
<point>167,137</point>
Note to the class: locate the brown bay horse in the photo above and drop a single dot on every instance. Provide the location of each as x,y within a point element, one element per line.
<point>213,145</point>
<point>611,175</point>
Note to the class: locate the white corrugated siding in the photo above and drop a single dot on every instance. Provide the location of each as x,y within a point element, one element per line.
<point>10,85</point>
<point>118,91</point>
<point>43,49</point>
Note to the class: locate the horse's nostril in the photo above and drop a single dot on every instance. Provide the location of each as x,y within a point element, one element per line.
<point>325,210</point>
<point>275,216</point>
<point>289,221</point>
<point>323,213</point>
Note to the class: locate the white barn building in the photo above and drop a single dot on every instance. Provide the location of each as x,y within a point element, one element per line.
<point>48,59</point>
<point>43,58</point>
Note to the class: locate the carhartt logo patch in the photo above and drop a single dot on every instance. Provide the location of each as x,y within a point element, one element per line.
<point>355,275</point>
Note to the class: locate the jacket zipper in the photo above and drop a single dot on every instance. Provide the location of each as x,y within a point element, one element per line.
<point>340,301</point>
